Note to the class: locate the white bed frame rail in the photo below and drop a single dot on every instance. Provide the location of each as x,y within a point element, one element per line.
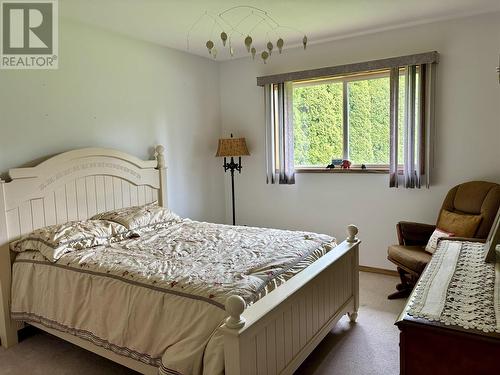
<point>272,336</point>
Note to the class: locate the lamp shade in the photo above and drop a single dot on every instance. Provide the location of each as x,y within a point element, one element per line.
<point>232,147</point>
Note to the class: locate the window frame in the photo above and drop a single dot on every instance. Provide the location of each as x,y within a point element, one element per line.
<point>345,80</point>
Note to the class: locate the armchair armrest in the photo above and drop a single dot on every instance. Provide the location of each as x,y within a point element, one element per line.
<point>414,234</point>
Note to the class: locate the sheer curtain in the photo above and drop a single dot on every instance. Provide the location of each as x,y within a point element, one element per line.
<point>279,133</point>
<point>413,170</point>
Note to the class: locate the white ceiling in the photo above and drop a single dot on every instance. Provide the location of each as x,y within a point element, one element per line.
<point>167,22</point>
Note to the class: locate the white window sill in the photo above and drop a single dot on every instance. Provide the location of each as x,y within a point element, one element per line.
<point>353,170</point>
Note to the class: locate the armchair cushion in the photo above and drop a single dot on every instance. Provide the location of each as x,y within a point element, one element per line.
<point>460,224</point>
<point>412,259</point>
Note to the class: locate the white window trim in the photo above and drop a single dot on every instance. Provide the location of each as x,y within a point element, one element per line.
<point>345,116</point>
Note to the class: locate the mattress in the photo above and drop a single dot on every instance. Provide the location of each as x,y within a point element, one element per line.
<point>160,298</point>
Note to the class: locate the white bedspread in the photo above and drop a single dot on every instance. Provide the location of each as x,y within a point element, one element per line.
<point>160,298</point>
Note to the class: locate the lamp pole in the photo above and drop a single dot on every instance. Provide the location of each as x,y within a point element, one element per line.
<point>232,166</point>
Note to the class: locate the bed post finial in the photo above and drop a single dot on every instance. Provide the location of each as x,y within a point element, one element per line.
<point>162,167</point>
<point>160,156</point>
<point>235,305</point>
<point>352,230</point>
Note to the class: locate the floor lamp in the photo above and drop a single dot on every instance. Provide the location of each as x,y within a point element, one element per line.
<point>231,147</point>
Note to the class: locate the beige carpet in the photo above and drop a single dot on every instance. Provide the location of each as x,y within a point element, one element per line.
<point>368,347</point>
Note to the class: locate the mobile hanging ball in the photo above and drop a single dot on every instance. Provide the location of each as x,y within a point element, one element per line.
<point>223,37</point>
<point>248,42</point>
<point>210,45</point>
<point>280,44</point>
<point>264,56</point>
<point>254,51</point>
<point>270,48</point>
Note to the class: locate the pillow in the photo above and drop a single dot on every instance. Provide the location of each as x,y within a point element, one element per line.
<point>433,241</point>
<point>461,225</point>
<point>140,218</point>
<point>56,240</point>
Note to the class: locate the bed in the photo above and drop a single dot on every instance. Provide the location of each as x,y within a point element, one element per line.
<point>267,325</point>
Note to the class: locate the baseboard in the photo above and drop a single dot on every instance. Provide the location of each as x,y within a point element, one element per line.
<point>382,271</point>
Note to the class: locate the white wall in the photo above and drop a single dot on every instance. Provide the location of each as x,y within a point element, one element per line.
<point>467,139</point>
<point>112,91</point>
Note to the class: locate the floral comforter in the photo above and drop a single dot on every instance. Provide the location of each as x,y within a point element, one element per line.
<point>160,298</point>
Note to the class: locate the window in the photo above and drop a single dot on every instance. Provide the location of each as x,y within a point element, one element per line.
<point>378,114</point>
<point>345,118</point>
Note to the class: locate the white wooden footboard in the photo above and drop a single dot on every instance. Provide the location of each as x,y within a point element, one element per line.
<point>276,334</point>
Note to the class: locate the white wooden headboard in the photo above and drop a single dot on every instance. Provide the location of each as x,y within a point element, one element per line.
<point>76,185</point>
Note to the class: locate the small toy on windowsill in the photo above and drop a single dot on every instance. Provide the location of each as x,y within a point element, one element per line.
<point>334,163</point>
<point>346,164</point>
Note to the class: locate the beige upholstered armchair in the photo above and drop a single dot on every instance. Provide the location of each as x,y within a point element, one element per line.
<point>477,198</point>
